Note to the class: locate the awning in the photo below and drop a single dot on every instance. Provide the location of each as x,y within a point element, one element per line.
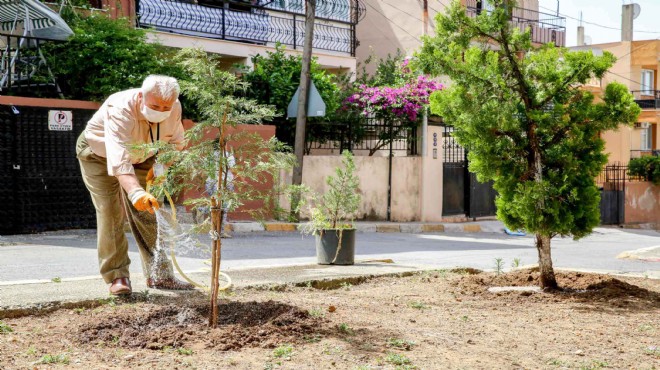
<point>42,21</point>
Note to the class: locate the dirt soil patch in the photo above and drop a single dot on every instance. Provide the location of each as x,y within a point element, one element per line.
<point>432,320</point>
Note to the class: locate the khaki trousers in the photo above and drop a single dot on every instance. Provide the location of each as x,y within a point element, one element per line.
<point>108,196</point>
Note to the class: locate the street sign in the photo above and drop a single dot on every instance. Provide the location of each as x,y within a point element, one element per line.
<point>60,120</point>
<point>315,104</point>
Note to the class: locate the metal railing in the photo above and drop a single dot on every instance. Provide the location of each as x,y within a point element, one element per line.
<point>642,153</point>
<point>267,24</point>
<point>647,99</point>
<point>365,134</point>
<point>23,67</point>
<point>544,27</point>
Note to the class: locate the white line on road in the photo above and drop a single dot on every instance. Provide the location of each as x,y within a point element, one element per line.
<point>525,242</point>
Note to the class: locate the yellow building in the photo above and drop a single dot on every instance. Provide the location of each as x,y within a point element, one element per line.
<point>637,68</point>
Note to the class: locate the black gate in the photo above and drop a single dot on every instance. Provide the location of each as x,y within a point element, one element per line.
<point>42,188</point>
<point>462,193</point>
<point>612,182</point>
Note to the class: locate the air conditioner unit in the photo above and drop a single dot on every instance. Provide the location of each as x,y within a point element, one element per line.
<point>642,125</point>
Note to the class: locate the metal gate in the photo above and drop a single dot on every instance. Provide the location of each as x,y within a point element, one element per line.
<point>612,182</point>
<point>462,193</point>
<point>42,188</point>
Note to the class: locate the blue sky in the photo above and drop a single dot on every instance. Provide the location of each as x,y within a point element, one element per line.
<point>605,13</point>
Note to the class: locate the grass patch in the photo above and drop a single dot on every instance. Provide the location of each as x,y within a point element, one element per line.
<point>4,328</point>
<point>316,313</point>
<point>56,280</point>
<point>54,359</point>
<point>344,328</point>
<point>418,305</point>
<point>184,351</point>
<point>397,359</point>
<point>283,351</point>
<point>594,365</point>
<point>400,343</point>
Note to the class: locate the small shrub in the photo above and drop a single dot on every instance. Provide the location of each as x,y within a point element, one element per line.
<point>516,263</point>
<point>499,265</point>
<point>56,280</point>
<point>316,313</point>
<point>418,305</point>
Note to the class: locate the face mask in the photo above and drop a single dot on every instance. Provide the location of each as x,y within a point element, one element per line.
<point>154,115</point>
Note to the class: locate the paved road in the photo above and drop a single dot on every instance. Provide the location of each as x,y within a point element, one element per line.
<point>72,254</point>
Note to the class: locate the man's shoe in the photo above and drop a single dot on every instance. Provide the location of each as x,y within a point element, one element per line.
<point>169,284</point>
<point>121,286</point>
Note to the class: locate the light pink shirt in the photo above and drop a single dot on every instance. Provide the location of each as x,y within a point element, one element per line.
<point>118,125</point>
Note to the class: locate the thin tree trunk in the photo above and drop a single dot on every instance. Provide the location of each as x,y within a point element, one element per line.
<point>547,273</point>
<point>215,265</point>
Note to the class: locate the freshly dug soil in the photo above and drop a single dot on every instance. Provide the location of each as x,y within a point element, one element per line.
<point>432,320</point>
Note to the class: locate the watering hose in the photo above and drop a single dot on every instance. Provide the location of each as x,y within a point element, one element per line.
<point>173,257</point>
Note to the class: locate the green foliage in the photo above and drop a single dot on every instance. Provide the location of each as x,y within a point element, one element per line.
<point>499,265</point>
<point>646,167</point>
<point>105,56</point>
<point>344,328</point>
<point>283,351</point>
<point>56,279</point>
<point>389,71</point>
<point>217,95</point>
<point>4,328</point>
<point>400,343</point>
<point>337,206</point>
<point>54,359</point>
<point>528,125</point>
<point>275,78</point>
<point>397,359</point>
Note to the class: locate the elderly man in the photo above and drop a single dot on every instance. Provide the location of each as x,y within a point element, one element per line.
<point>114,174</point>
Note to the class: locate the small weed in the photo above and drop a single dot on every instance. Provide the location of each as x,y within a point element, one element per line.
<point>232,361</point>
<point>418,305</point>
<point>56,279</point>
<point>645,327</point>
<point>400,343</point>
<point>79,310</point>
<point>653,351</point>
<point>516,263</point>
<point>283,351</point>
<point>269,366</point>
<point>464,318</point>
<point>316,313</point>
<point>594,365</point>
<point>4,328</point>
<point>555,362</point>
<point>397,359</point>
<point>312,338</point>
<point>344,328</point>
<point>54,359</point>
<point>309,284</point>
<point>499,265</point>
<point>31,351</point>
<point>115,340</point>
<point>363,367</point>
<point>346,285</point>
<point>184,351</point>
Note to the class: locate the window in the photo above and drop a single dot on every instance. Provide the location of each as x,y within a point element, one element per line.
<point>647,137</point>
<point>484,5</point>
<point>648,81</point>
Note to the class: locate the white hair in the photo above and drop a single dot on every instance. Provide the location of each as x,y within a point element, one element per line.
<point>163,87</point>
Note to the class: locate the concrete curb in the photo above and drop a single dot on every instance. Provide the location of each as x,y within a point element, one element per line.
<point>374,227</point>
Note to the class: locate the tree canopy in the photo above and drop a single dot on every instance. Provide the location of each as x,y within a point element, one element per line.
<point>529,125</point>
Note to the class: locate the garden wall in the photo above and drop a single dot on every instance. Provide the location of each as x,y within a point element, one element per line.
<point>642,203</point>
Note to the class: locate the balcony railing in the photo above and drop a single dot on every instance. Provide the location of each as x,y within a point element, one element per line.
<point>23,69</point>
<point>266,23</point>
<point>647,99</point>
<point>544,27</point>
<point>644,152</point>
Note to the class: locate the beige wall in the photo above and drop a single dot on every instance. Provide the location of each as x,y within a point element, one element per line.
<point>431,180</point>
<point>618,144</point>
<point>642,203</point>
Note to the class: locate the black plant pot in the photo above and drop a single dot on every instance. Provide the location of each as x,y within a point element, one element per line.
<point>326,247</point>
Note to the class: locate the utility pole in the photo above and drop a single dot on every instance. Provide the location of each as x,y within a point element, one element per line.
<point>301,118</point>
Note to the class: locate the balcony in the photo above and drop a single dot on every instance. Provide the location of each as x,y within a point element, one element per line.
<point>643,153</point>
<point>261,22</point>
<point>544,27</point>
<point>647,99</point>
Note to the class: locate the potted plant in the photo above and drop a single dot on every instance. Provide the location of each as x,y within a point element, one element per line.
<point>332,214</point>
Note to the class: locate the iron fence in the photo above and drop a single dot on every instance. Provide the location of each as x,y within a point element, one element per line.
<point>259,25</point>
<point>544,27</point>
<point>366,134</point>
<point>23,67</point>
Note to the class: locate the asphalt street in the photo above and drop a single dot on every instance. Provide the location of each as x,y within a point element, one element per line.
<point>72,254</point>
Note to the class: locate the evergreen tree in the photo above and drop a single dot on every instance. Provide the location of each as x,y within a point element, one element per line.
<point>527,122</point>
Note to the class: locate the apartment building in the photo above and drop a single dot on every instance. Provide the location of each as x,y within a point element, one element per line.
<point>239,29</point>
<point>399,24</point>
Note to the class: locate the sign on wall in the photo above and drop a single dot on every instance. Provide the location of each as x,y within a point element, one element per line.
<point>60,120</point>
